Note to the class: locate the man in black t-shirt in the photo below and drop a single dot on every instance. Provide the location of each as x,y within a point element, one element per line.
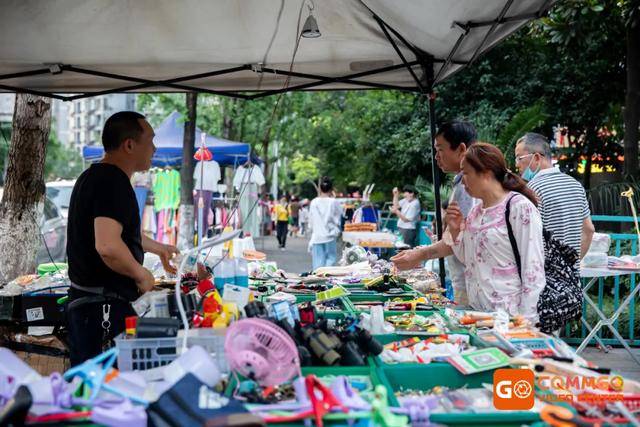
<point>105,246</point>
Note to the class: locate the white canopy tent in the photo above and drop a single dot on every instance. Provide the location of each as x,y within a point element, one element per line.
<point>70,49</point>
<point>233,46</point>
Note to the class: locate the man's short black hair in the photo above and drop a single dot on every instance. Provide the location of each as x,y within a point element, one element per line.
<point>409,189</point>
<point>121,126</point>
<point>458,132</point>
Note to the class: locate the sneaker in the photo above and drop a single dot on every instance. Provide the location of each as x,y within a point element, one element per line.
<point>282,249</point>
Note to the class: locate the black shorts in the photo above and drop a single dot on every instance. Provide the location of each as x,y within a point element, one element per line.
<point>295,221</point>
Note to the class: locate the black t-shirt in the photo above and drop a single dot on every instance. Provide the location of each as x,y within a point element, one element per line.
<point>103,190</point>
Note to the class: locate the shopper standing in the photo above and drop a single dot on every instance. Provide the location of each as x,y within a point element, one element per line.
<point>562,200</point>
<point>294,214</point>
<point>304,217</point>
<point>325,215</point>
<point>453,139</point>
<point>282,222</point>
<point>408,212</point>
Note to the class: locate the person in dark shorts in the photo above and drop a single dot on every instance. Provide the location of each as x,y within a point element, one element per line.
<point>105,246</point>
<point>294,216</point>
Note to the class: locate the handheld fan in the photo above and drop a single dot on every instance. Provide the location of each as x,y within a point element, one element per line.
<point>262,351</point>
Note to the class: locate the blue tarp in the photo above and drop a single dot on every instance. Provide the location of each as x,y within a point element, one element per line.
<point>168,140</point>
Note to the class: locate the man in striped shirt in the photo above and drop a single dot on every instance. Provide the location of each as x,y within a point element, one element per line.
<point>562,201</point>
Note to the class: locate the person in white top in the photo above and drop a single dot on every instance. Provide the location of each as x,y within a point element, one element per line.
<point>325,214</point>
<point>408,212</point>
<point>481,241</point>
<point>304,216</point>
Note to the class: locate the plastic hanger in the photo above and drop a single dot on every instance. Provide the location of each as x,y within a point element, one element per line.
<point>93,373</point>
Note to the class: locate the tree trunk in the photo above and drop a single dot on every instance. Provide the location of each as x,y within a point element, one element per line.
<point>632,101</point>
<point>21,206</point>
<point>228,113</point>
<point>186,212</point>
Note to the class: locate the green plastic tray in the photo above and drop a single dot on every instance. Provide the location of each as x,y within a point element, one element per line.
<point>425,377</point>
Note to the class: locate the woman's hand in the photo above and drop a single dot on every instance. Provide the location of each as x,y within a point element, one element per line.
<point>455,219</point>
<point>407,260</point>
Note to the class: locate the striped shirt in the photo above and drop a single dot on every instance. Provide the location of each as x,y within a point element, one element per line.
<point>562,204</point>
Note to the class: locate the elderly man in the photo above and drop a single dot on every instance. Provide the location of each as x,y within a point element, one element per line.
<point>562,201</point>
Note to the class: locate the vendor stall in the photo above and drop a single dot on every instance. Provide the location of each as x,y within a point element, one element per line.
<point>357,342</point>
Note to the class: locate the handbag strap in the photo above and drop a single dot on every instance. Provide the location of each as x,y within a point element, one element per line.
<point>512,237</point>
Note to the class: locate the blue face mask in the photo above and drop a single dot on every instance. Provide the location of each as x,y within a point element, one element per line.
<point>528,174</point>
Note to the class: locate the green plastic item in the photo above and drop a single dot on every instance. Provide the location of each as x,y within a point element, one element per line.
<point>50,268</point>
<point>333,293</point>
<point>380,413</point>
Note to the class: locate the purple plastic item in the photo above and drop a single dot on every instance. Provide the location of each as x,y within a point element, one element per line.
<point>124,414</point>
<point>419,409</point>
<point>342,389</point>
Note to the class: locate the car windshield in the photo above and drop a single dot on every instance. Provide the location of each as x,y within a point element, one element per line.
<point>61,196</point>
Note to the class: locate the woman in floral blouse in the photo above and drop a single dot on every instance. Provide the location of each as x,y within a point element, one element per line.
<point>481,241</point>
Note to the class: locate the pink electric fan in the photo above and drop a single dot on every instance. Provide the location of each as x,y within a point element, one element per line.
<point>260,350</point>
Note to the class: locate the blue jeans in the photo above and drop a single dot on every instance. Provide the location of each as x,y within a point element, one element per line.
<point>324,254</point>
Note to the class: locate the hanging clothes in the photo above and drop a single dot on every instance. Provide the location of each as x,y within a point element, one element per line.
<point>248,174</point>
<point>166,189</point>
<point>250,210</point>
<point>149,224</point>
<point>210,172</point>
<point>247,180</point>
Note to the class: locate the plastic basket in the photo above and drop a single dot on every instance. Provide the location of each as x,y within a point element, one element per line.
<point>140,354</point>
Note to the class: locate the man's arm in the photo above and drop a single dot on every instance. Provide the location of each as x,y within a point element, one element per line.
<point>116,255</point>
<point>588,231</point>
<point>165,252</point>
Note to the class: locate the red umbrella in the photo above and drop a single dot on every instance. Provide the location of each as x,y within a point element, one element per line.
<point>203,154</point>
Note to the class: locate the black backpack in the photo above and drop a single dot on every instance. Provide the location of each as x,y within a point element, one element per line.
<point>561,299</point>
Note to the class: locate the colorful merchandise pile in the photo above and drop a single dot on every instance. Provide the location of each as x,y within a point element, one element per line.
<point>359,346</point>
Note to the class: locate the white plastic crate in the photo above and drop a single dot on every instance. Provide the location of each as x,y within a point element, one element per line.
<point>139,354</point>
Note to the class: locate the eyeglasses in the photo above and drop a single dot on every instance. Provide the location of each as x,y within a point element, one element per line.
<point>524,156</point>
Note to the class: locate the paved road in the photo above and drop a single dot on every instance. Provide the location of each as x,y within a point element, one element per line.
<point>296,257</point>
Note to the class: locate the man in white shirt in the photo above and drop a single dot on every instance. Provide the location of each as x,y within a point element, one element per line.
<point>408,212</point>
<point>562,200</point>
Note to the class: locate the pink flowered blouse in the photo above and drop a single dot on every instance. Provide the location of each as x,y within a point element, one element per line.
<point>491,273</point>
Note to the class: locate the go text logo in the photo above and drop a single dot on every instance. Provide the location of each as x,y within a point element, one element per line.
<point>513,389</point>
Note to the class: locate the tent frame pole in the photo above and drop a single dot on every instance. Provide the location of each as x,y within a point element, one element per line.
<point>436,182</point>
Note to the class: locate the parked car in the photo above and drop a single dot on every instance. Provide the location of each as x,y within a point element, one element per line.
<point>54,233</point>
<point>60,193</point>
